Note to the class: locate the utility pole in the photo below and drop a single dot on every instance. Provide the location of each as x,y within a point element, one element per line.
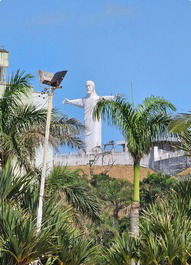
<point>45,156</point>
<point>52,80</point>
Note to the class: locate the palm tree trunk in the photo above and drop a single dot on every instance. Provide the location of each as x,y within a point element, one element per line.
<point>134,214</point>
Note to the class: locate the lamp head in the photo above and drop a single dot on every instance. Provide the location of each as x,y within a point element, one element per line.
<point>50,79</point>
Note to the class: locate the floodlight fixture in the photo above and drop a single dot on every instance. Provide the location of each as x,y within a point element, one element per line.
<point>50,79</point>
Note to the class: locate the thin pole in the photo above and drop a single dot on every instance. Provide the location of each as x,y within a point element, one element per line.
<point>44,165</point>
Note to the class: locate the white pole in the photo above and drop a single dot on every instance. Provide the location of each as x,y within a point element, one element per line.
<point>44,165</point>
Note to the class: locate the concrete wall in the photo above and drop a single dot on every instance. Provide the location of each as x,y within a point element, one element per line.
<point>172,166</point>
<point>100,159</point>
<point>160,154</point>
<point>162,161</point>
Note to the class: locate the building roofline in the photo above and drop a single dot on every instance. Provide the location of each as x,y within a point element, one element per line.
<point>3,50</point>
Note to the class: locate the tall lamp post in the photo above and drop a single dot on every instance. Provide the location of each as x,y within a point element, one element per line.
<point>53,81</point>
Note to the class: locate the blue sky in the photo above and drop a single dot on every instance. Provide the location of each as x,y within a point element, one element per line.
<point>116,43</point>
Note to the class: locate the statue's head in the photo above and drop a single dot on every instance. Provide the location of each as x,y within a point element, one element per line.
<point>90,86</point>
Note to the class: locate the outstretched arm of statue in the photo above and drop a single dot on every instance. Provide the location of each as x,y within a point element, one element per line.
<point>76,102</point>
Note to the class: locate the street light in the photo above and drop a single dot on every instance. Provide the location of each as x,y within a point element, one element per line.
<point>53,81</point>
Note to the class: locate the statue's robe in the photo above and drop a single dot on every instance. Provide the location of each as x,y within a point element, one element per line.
<point>92,137</point>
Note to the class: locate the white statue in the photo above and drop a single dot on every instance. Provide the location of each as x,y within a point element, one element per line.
<point>92,127</point>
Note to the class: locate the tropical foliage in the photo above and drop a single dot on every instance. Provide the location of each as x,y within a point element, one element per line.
<point>155,186</point>
<point>85,220</point>
<point>180,125</point>
<point>140,126</point>
<point>165,233</point>
<point>114,196</point>
<point>22,125</point>
<point>60,240</point>
<point>66,183</point>
<point>116,193</point>
<point>164,228</point>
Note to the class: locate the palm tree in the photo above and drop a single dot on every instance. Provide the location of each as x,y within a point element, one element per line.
<point>22,124</point>
<point>58,241</point>
<point>122,250</point>
<point>165,233</point>
<point>74,249</point>
<point>69,185</point>
<point>13,184</point>
<point>165,229</point>
<point>140,126</point>
<point>180,126</point>
<point>19,242</point>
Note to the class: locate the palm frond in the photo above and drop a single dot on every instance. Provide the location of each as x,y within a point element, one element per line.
<point>123,249</point>
<point>22,125</point>
<point>12,183</point>
<point>169,224</point>
<point>66,131</point>
<point>119,112</point>
<point>17,87</point>
<point>180,123</point>
<point>20,243</point>
<point>75,250</point>
<point>26,117</point>
<point>140,125</point>
<point>185,142</point>
<point>82,200</point>
<point>153,105</point>
<point>78,196</point>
